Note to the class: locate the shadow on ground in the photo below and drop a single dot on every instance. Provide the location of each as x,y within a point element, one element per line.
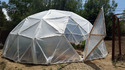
<point>93,65</point>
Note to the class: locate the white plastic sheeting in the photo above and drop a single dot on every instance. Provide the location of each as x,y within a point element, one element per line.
<point>95,46</point>
<point>44,38</point>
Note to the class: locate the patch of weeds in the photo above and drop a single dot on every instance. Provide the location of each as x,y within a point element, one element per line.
<point>3,65</point>
<point>18,68</point>
<point>44,69</point>
<point>51,69</point>
<point>81,45</point>
<point>118,64</point>
<point>114,63</point>
<point>61,67</point>
<point>122,63</point>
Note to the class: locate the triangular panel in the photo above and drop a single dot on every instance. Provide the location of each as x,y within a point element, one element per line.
<point>78,38</point>
<point>67,31</point>
<point>28,57</point>
<point>77,31</point>
<point>59,24</point>
<point>93,41</point>
<point>48,46</point>
<point>99,52</point>
<point>99,27</point>
<point>24,44</point>
<point>31,31</point>
<point>71,27</point>
<point>47,30</point>
<point>86,27</point>
<point>70,21</point>
<point>95,48</point>
<point>71,38</point>
<point>64,52</point>
<point>29,22</point>
<point>82,31</point>
<point>66,56</point>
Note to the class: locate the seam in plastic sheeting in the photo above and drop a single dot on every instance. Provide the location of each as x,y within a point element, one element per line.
<point>26,22</point>
<point>47,14</point>
<point>18,50</point>
<point>6,46</point>
<point>50,25</point>
<point>64,13</point>
<point>71,46</point>
<point>56,48</point>
<point>24,36</point>
<point>72,34</point>
<point>25,51</point>
<point>93,48</point>
<point>38,29</point>
<point>53,12</point>
<point>34,52</point>
<point>68,29</point>
<point>11,44</point>
<point>50,36</point>
<point>42,50</point>
<point>77,23</point>
<point>62,54</point>
<point>55,18</point>
<point>21,23</point>
<point>29,27</point>
<point>56,26</point>
<point>75,34</point>
<point>102,45</point>
<point>33,18</point>
<point>75,38</point>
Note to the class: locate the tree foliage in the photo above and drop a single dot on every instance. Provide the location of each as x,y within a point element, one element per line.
<point>2,17</point>
<point>92,7</point>
<point>122,23</point>
<point>20,9</point>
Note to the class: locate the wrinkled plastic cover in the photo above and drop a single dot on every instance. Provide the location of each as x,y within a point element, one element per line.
<point>95,46</point>
<point>44,38</point>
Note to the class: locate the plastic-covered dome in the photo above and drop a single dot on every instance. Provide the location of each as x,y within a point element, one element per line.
<point>44,38</point>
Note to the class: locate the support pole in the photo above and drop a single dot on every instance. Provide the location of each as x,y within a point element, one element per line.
<point>113,37</point>
<point>119,36</point>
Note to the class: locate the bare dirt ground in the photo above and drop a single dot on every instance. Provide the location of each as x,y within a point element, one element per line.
<point>100,64</point>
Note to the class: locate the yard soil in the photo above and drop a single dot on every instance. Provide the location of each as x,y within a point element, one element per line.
<point>100,64</point>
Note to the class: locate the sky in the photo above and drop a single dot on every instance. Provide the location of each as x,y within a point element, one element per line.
<point>121,6</point>
<point>119,9</point>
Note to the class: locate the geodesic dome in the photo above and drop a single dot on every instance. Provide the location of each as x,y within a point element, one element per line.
<point>44,38</point>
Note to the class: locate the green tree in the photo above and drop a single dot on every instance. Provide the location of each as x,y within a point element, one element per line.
<point>92,7</point>
<point>2,16</point>
<point>20,9</point>
<point>122,23</point>
<point>68,5</point>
